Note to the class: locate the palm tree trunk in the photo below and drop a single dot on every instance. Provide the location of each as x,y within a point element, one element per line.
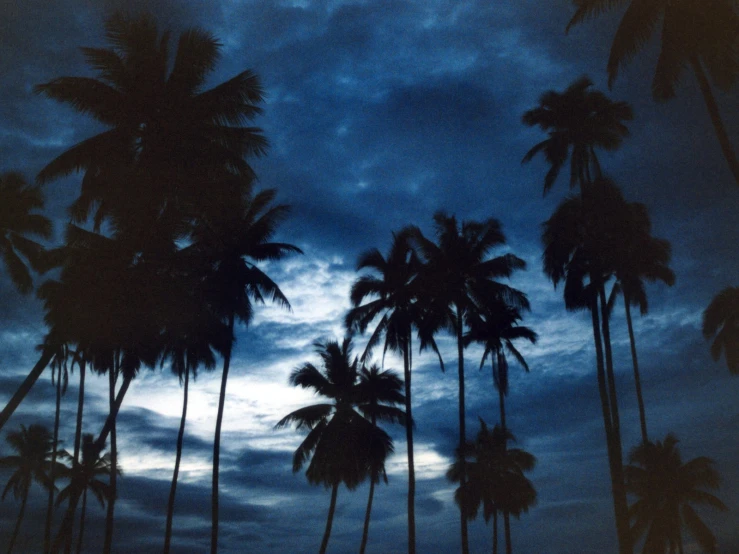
<point>74,498</point>
<point>407,363</point>
<point>330,520</point>
<point>637,377</point>
<point>26,385</point>
<point>365,532</point>
<point>718,124</point>
<point>217,440</point>
<point>82,521</point>
<point>462,431</point>
<point>18,521</point>
<point>507,526</point>
<point>113,479</point>
<point>112,416</point>
<point>495,531</point>
<point>52,470</point>
<point>178,457</point>
<point>622,516</point>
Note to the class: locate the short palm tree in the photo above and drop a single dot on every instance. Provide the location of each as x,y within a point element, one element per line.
<point>18,201</point>
<point>342,445</point>
<point>665,489</point>
<point>495,478</point>
<point>721,323</point>
<point>31,462</point>
<point>578,121</point>
<point>458,277</point>
<point>700,34</point>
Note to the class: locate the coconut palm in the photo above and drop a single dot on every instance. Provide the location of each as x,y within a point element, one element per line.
<point>578,121</point>
<point>378,393</point>
<point>30,463</point>
<point>700,34</point>
<point>18,201</point>
<point>231,246</point>
<point>495,478</point>
<point>665,489</point>
<point>721,323</point>
<point>389,294</point>
<point>458,278</point>
<point>342,445</point>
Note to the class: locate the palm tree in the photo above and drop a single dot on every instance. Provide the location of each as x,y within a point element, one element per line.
<point>30,463</point>
<point>378,393</point>
<point>18,201</point>
<point>640,256</point>
<point>458,277</point>
<point>578,121</point>
<point>59,379</point>
<point>495,478</point>
<point>721,323</point>
<point>343,446</point>
<point>231,246</point>
<point>665,488</point>
<point>389,294</point>
<point>579,241</point>
<point>700,34</point>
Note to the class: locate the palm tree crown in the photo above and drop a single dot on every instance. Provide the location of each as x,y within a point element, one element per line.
<point>721,322</point>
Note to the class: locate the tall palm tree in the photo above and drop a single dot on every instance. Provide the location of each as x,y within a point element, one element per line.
<point>378,393</point>
<point>389,293</point>
<point>721,323</point>
<point>18,201</point>
<point>639,256</point>
<point>579,240</point>
<point>578,121</point>
<point>495,478</point>
<point>232,245</point>
<point>458,277</point>
<point>700,34</point>
<point>343,446</point>
<point>84,475</point>
<point>665,488</point>
<point>30,463</point>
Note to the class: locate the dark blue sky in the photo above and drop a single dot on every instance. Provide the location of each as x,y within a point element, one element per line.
<point>380,113</point>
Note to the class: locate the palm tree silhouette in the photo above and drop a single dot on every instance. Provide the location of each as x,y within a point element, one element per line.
<point>495,478</point>
<point>378,392</point>
<point>665,488</point>
<point>639,256</point>
<point>721,323</point>
<point>580,240</point>
<point>343,446</point>
<point>578,121</point>
<point>30,463</point>
<point>389,294</point>
<point>698,34</point>
<point>458,277</point>
<point>18,201</point>
<point>84,475</point>
<point>231,246</point>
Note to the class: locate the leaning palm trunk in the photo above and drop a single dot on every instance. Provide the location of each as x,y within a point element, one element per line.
<point>178,457</point>
<point>111,419</point>
<point>217,440</point>
<point>365,532</point>
<point>407,363</point>
<point>110,513</point>
<point>74,498</point>
<point>52,470</point>
<point>462,430</point>
<point>637,377</point>
<point>718,124</point>
<point>506,515</point>
<point>26,385</point>
<point>83,511</point>
<point>18,521</point>
<point>330,520</point>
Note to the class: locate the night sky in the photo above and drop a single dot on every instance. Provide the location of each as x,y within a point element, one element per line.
<point>380,113</point>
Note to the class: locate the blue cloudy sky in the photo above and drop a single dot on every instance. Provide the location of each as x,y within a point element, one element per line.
<point>380,113</point>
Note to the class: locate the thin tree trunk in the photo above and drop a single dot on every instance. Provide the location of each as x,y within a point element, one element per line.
<point>18,521</point>
<point>178,457</point>
<point>330,520</point>
<point>111,419</point>
<point>26,385</point>
<point>506,515</point>
<point>113,479</point>
<point>83,510</point>
<point>637,377</point>
<point>217,440</point>
<point>74,498</point>
<point>462,432</point>
<point>495,532</point>
<point>718,124</point>
<point>507,526</point>
<point>407,363</point>
<point>368,512</point>
<point>622,515</point>
<point>52,470</point>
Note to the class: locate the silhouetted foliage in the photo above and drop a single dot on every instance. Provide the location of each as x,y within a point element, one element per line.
<point>721,323</point>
